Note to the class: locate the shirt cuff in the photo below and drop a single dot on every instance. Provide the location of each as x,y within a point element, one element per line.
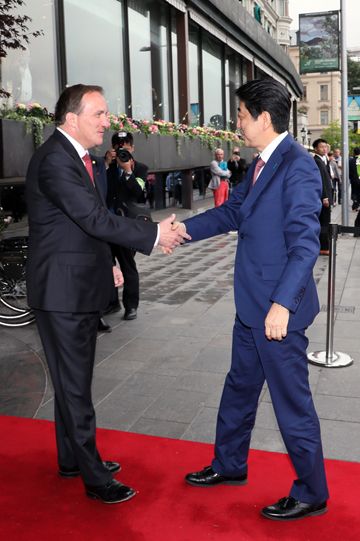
<point>157,236</point>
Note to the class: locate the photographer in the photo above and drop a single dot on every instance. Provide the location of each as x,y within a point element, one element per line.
<point>237,166</point>
<point>126,196</point>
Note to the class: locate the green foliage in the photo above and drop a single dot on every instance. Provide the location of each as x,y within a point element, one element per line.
<point>332,134</point>
<point>35,117</point>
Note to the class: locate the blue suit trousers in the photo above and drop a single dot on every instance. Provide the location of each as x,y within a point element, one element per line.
<point>283,364</point>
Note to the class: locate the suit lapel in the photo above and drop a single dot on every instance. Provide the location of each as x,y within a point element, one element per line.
<point>82,170</point>
<point>267,174</point>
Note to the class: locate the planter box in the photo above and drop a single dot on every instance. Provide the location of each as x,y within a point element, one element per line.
<point>160,152</point>
<point>16,147</point>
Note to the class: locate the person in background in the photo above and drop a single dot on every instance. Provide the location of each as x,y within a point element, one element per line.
<point>354,176</point>
<point>220,176</point>
<point>237,166</point>
<point>335,179</point>
<point>126,183</point>
<point>320,147</point>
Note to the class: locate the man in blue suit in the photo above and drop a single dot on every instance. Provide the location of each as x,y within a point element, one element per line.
<point>275,210</point>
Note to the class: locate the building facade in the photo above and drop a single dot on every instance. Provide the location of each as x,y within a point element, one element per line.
<point>166,59</point>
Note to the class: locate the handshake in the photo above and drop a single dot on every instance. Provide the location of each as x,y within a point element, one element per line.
<point>171,234</point>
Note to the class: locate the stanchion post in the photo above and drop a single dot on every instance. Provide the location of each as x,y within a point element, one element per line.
<point>331,358</point>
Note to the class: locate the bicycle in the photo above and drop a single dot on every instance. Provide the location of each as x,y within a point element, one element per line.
<point>14,311</point>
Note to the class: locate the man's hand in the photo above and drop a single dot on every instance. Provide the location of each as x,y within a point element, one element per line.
<point>171,236</point>
<point>276,322</point>
<point>109,157</point>
<point>118,277</point>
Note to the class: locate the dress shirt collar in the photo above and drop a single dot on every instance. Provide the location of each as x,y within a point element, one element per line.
<point>79,148</point>
<point>266,153</point>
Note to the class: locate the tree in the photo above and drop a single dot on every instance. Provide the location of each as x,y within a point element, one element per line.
<point>332,134</point>
<point>14,30</point>
<point>353,76</point>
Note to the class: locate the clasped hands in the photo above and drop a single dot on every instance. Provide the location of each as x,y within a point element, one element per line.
<point>172,234</point>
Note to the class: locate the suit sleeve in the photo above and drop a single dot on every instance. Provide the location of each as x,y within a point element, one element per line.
<point>60,179</point>
<point>218,220</point>
<point>301,208</point>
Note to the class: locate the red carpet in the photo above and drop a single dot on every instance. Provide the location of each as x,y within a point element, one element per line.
<point>35,504</point>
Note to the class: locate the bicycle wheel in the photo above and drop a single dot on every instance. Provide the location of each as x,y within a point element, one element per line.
<point>12,281</point>
<point>17,322</point>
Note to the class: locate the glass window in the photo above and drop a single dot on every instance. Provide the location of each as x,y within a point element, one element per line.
<point>233,79</point>
<point>94,47</point>
<point>324,92</point>
<point>175,77</point>
<point>324,118</point>
<point>194,113</point>
<point>31,75</point>
<point>212,83</point>
<point>149,58</point>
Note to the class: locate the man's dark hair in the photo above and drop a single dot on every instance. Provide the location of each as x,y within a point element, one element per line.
<point>120,138</point>
<point>356,151</point>
<point>318,141</point>
<point>268,95</point>
<point>70,101</point>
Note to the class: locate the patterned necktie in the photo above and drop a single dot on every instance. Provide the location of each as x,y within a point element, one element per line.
<point>88,164</point>
<point>259,164</point>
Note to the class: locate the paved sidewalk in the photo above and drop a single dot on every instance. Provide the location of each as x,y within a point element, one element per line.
<point>163,373</point>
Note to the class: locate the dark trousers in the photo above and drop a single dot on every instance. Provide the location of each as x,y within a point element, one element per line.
<point>285,368</point>
<point>126,259</point>
<point>69,341</point>
<point>324,219</point>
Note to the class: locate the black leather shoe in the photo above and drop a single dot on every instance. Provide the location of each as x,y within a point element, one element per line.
<point>130,314</point>
<point>209,478</point>
<point>103,326</point>
<point>290,509</point>
<point>113,492</point>
<point>113,307</point>
<point>113,467</point>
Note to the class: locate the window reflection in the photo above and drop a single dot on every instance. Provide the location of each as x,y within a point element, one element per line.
<point>194,113</point>
<point>149,59</point>
<point>30,75</point>
<point>212,83</point>
<point>94,48</point>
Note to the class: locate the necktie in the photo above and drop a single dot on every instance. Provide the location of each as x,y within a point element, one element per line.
<point>88,164</point>
<point>259,164</point>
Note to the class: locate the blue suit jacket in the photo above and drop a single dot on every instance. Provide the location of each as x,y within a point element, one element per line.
<point>278,243</point>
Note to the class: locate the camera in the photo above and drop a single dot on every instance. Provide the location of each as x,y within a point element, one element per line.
<point>124,155</point>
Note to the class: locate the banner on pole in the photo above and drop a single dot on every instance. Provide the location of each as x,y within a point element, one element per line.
<point>319,39</point>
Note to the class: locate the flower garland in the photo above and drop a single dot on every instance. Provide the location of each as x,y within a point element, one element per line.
<point>36,117</point>
<point>210,136</point>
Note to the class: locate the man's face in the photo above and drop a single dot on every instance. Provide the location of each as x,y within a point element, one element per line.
<point>337,153</point>
<point>251,129</point>
<point>321,149</point>
<point>219,155</point>
<point>92,121</point>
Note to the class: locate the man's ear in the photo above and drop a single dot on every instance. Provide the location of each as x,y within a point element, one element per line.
<point>267,119</point>
<point>71,120</point>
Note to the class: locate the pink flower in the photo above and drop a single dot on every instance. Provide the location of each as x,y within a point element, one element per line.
<point>154,128</point>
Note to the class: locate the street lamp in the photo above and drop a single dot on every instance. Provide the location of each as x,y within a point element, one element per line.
<point>303,135</point>
<point>309,138</point>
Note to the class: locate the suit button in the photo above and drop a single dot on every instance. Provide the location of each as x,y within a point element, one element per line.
<point>242,235</point>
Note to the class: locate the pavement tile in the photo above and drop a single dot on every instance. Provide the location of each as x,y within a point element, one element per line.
<point>176,405</point>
